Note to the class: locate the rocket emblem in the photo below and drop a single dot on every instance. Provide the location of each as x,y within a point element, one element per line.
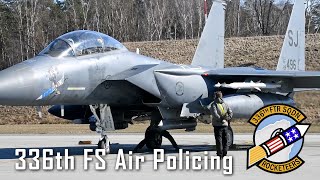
<point>278,139</point>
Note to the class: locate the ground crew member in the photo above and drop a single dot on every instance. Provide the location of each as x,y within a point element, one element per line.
<point>221,115</point>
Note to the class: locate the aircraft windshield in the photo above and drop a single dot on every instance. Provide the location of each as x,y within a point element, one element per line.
<point>80,43</point>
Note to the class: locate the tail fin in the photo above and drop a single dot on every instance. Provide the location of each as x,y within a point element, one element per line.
<point>292,57</point>
<point>210,50</point>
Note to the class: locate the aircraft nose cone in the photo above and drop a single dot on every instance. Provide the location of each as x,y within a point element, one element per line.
<point>16,85</point>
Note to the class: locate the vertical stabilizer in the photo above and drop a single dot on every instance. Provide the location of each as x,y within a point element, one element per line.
<point>292,57</point>
<point>210,50</point>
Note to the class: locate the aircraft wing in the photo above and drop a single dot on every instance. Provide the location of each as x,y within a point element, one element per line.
<point>297,79</point>
<point>302,80</point>
<point>305,89</point>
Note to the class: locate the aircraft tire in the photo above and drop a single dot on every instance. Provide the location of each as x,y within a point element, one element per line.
<point>230,137</point>
<point>102,144</point>
<point>154,140</point>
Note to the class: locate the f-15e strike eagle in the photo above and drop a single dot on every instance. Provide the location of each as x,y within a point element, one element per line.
<point>87,74</point>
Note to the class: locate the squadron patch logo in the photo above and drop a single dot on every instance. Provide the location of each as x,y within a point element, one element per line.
<point>278,139</point>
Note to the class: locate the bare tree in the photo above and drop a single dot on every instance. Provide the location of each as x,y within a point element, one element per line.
<point>184,13</point>
<point>19,10</point>
<point>34,16</point>
<point>263,10</point>
<point>313,16</point>
<point>85,7</point>
<point>160,12</point>
<point>200,12</point>
<point>233,18</point>
<point>150,18</point>
<point>74,10</point>
<point>97,16</point>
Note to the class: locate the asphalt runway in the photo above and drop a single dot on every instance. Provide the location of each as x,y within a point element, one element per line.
<point>195,143</point>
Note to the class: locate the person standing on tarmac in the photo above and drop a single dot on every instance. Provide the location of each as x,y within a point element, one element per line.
<point>221,115</point>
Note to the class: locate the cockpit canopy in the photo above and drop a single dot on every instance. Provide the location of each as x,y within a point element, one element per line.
<point>80,43</point>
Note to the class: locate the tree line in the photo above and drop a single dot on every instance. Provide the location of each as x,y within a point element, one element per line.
<point>27,26</point>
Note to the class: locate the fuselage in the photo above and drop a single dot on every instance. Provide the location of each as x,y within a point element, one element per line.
<point>84,80</point>
<point>86,68</point>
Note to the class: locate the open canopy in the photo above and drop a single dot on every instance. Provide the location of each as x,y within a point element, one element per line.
<point>80,43</point>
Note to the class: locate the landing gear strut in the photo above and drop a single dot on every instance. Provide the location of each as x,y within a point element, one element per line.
<point>104,123</point>
<point>154,134</point>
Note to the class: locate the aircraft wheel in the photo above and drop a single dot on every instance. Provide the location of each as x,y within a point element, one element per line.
<point>230,137</point>
<point>103,144</point>
<point>153,139</point>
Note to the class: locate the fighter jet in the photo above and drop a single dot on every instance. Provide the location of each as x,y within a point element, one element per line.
<point>91,76</point>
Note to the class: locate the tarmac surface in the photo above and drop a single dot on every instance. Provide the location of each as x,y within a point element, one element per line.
<point>195,143</point>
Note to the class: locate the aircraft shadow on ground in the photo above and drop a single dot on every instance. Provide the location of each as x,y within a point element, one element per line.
<point>9,153</point>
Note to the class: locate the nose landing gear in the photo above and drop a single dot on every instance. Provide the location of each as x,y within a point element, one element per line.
<point>104,123</point>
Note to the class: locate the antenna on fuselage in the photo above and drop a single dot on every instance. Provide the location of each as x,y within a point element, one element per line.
<point>138,51</point>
